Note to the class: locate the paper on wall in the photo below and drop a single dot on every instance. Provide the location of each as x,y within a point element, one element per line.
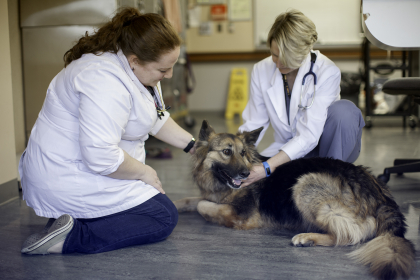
<point>194,15</point>
<point>240,10</point>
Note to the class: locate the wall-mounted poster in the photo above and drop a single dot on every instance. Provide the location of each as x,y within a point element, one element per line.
<point>240,10</point>
<point>218,12</point>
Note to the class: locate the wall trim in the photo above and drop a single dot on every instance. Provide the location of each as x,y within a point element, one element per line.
<point>9,191</point>
<point>331,53</point>
<point>7,201</point>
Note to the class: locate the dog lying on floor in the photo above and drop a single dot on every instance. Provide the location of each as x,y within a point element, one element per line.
<point>329,201</point>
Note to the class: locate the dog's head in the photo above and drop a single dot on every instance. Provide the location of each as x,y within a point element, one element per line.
<point>222,160</point>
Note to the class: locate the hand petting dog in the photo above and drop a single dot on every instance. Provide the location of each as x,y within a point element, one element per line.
<point>257,173</point>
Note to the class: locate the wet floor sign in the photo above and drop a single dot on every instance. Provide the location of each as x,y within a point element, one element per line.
<point>238,92</point>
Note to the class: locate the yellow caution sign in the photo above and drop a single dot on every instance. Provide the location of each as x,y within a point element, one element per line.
<point>238,93</point>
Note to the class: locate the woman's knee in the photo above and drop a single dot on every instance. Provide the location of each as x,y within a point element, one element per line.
<point>345,113</point>
<point>174,215</point>
<point>172,212</point>
<point>166,218</point>
<point>171,222</point>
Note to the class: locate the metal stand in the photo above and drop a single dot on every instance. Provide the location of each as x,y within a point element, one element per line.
<point>405,66</point>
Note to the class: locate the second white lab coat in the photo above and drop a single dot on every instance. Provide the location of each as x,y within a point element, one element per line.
<point>267,105</point>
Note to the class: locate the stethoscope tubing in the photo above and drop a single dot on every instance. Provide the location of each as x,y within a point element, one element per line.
<point>310,72</point>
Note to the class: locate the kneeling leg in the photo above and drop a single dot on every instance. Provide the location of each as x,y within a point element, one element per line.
<point>152,221</point>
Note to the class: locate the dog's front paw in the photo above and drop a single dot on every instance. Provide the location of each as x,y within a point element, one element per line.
<point>205,205</point>
<point>303,240</point>
<point>207,209</point>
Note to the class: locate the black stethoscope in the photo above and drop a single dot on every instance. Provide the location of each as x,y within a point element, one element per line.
<point>310,72</point>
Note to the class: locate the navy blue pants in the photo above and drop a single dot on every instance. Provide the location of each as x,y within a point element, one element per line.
<point>149,222</point>
<point>342,135</point>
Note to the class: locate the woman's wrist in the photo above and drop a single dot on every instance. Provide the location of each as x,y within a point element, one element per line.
<point>190,145</point>
<point>277,160</point>
<point>267,169</point>
<point>141,170</point>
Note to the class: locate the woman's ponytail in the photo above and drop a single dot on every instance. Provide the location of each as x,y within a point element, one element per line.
<point>147,36</point>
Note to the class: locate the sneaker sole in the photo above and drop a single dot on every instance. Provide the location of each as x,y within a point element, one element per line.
<point>48,238</point>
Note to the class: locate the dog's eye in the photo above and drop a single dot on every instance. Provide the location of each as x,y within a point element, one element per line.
<point>243,153</point>
<point>227,152</point>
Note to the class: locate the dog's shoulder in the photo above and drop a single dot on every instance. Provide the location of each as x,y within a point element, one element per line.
<point>243,200</point>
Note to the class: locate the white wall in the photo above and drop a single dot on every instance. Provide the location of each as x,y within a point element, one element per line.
<point>17,81</point>
<point>212,84</point>
<point>8,171</point>
<point>337,21</point>
<point>212,80</point>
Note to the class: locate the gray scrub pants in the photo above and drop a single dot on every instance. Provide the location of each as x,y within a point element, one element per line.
<point>342,135</point>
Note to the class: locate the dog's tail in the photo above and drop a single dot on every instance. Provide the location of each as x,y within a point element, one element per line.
<point>389,255</point>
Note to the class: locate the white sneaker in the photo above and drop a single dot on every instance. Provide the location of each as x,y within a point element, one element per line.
<point>39,243</point>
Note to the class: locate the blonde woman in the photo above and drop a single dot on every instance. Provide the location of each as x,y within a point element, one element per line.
<point>305,110</point>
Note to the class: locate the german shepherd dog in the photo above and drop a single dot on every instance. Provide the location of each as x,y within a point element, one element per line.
<point>330,202</point>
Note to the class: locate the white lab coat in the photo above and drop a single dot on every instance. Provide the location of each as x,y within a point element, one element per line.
<point>267,105</point>
<point>94,109</point>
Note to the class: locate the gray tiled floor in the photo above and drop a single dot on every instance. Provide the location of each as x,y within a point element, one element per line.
<point>199,250</point>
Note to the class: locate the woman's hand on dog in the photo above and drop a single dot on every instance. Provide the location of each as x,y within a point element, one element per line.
<point>192,151</point>
<point>257,173</point>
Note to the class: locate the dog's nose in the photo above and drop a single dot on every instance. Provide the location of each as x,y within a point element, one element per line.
<point>245,174</point>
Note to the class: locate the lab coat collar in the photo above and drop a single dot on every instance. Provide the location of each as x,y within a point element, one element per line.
<point>278,100</point>
<point>124,62</point>
<point>277,75</point>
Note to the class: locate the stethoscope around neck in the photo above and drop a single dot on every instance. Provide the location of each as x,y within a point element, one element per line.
<point>310,72</point>
<point>161,108</point>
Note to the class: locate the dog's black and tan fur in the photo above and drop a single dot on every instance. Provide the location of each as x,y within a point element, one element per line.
<point>330,202</point>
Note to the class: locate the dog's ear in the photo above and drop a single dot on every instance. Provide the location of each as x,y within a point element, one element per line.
<point>252,136</point>
<point>206,131</point>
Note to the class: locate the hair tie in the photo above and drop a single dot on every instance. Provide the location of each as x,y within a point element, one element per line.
<point>128,22</point>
